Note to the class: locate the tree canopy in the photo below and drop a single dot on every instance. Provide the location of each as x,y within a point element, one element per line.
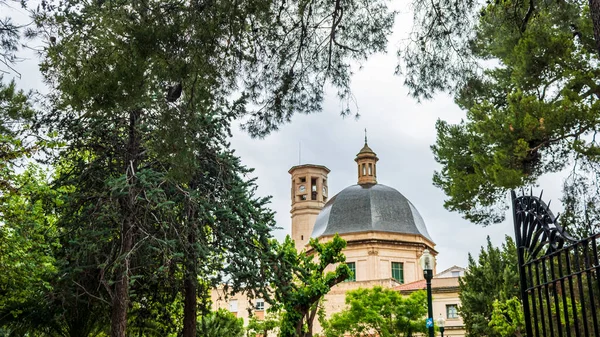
<point>152,206</point>
<point>493,276</point>
<point>526,74</point>
<point>143,95</point>
<point>508,319</point>
<point>379,312</point>
<point>300,280</point>
<point>220,323</point>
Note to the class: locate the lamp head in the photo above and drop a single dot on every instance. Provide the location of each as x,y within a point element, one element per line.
<point>441,321</point>
<point>427,261</point>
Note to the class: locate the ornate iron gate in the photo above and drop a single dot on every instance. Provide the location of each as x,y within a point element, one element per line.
<point>559,274</point>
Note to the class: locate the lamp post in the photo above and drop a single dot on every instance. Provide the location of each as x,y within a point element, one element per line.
<point>428,263</point>
<point>440,323</point>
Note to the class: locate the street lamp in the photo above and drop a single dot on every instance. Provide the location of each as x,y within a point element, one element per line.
<point>440,323</point>
<point>428,263</point>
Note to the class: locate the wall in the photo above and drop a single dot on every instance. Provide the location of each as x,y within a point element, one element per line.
<point>455,326</point>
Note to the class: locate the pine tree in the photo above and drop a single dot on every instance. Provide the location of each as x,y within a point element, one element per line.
<point>525,73</point>
<point>494,276</point>
<point>144,93</point>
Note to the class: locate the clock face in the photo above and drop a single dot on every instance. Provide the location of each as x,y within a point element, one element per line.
<point>302,188</point>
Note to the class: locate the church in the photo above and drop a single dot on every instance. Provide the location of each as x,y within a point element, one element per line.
<point>385,237</point>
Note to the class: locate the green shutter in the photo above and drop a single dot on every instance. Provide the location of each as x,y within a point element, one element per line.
<point>352,266</point>
<point>398,271</point>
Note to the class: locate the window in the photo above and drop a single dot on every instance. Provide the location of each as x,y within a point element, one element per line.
<point>259,305</point>
<point>398,271</point>
<point>370,169</point>
<point>364,169</point>
<point>352,277</point>
<point>233,305</point>
<point>451,311</point>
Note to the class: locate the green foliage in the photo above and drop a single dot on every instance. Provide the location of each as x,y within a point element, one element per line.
<point>28,235</point>
<point>28,240</point>
<point>526,75</point>
<point>142,98</point>
<point>16,107</point>
<point>262,327</point>
<point>507,318</point>
<point>493,277</point>
<point>9,38</point>
<point>299,281</point>
<point>379,311</point>
<point>581,216</point>
<point>220,323</point>
<point>276,57</point>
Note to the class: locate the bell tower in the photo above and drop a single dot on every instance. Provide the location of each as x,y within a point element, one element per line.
<point>309,195</point>
<point>366,160</point>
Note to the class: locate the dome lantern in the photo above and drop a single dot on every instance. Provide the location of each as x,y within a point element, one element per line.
<point>366,160</point>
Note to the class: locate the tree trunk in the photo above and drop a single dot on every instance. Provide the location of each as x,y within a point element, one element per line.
<point>120,299</point>
<point>299,325</point>
<point>311,319</point>
<point>190,287</point>
<point>595,14</point>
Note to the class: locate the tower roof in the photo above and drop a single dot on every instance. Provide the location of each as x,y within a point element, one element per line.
<point>366,149</point>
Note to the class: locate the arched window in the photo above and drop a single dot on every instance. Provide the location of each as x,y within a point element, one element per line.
<point>370,169</point>
<point>364,169</point>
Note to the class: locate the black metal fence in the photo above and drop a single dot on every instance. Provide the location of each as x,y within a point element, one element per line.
<point>559,274</point>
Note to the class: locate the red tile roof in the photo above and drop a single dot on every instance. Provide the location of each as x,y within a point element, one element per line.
<point>443,282</point>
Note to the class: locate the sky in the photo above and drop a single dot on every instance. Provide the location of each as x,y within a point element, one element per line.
<point>400,131</point>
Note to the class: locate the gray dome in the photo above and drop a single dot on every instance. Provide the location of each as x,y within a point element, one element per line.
<point>369,207</point>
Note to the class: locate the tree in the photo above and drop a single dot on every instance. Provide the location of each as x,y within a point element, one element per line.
<point>526,74</point>
<point>442,49</point>
<point>494,276</point>
<point>507,317</point>
<point>136,83</point>
<point>220,323</point>
<point>299,282</point>
<point>379,312</point>
<point>581,216</point>
<point>16,105</point>
<point>28,239</point>
<point>10,36</point>
<point>262,327</point>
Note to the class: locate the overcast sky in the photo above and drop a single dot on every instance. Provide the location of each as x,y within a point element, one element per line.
<point>400,131</point>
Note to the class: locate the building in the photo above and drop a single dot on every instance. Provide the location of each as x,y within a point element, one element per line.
<point>444,289</point>
<point>385,237</point>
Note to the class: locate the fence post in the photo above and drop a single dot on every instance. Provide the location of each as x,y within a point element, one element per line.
<point>521,261</point>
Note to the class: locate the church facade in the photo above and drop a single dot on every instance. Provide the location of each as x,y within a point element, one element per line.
<point>385,237</point>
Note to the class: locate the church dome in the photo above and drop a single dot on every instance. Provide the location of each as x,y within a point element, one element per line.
<point>369,207</point>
